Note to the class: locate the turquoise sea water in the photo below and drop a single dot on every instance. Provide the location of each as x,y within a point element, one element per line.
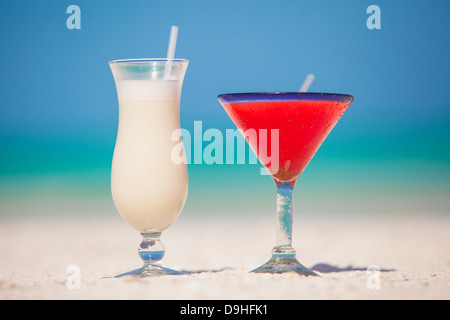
<point>349,174</point>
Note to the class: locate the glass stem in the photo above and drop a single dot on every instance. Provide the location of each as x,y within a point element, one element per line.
<point>283,248</point>
<point>151,250</point>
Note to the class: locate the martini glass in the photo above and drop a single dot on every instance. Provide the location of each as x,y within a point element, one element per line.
<point>303,121</point>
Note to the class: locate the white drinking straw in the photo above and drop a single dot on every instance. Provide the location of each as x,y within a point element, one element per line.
<point>171,50</point>
<point>305,86</point>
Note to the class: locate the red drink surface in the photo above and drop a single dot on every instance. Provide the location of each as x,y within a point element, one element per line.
<point>303,126</point>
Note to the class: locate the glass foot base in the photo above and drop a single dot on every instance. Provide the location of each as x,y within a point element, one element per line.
<point>150,272</point>
<point>282,265</point>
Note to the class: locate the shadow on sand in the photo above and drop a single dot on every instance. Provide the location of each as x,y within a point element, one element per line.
<point>320,267</point>
<point>327,268</point>
<point>202,271</point>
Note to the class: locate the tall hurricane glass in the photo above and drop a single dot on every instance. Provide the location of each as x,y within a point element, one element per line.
<point>148,188</point>
<point>302,122</point>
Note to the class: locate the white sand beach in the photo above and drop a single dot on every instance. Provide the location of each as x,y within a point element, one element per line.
<point>410,251</point>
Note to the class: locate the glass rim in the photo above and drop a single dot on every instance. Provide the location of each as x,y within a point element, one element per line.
<point>145,60</point>
<point>283,96</point>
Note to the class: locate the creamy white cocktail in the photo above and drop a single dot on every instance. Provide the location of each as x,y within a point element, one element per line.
<point>148,188</point>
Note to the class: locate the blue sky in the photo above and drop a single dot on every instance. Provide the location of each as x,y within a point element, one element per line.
<point>57,79</point>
